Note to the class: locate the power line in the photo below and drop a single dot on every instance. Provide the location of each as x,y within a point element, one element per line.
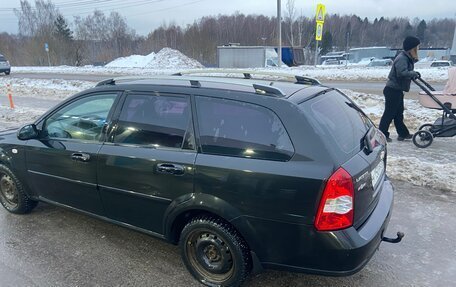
<point>165,9</point>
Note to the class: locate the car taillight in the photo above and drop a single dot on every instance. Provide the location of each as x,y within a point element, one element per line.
<point>336,205</point>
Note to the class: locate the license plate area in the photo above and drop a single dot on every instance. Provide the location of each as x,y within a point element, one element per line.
<point>377,173</point>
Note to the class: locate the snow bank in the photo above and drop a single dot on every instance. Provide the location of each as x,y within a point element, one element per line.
<point>176,63</point>
<point>433,166</point>
<point>13,118</point>
<point>166,58</point>
<point>57,84</point>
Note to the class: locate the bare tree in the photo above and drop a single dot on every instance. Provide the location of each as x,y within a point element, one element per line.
<point>290,20</point>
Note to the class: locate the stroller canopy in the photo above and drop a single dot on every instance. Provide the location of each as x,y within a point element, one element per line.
<point>450,87</point>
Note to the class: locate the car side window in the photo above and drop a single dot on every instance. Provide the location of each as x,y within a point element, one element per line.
<point>160,121</point>
<point>82,119</point>
<point>241,129</point>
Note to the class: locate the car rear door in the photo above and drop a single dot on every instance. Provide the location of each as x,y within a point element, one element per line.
<point>148,160</point>
<point>62,163</point>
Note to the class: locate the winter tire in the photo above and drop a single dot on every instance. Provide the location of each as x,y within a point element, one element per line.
<point>214,252</point>
<point>12,194</point>
<point>7,72</point>
<point>423,138</point>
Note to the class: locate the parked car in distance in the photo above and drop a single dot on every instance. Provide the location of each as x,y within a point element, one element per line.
<point>442,63</point>
<point>5,66</point>
<point>242,174</point>
<point>330,62</point>
<point>380,63</point>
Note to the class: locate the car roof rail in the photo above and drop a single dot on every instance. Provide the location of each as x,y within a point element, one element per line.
<point>247,74</point>
<point>268,90</point>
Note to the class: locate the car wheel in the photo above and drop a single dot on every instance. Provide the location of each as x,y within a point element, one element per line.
<point>12,194</point>
<point>7,72</point>
<point>214,252</point>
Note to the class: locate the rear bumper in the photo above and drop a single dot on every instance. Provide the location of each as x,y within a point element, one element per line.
<point>2,69</point>
<point>300,248</point>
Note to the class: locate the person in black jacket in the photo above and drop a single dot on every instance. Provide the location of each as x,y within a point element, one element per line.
<point>399,79</point>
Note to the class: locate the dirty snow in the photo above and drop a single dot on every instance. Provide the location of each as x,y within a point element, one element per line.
<point>433,167</point>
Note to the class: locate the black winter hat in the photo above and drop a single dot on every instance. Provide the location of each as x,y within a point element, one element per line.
<point>410,42</point>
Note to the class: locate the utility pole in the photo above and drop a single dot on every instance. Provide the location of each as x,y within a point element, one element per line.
<point>279,28</point>
<point>453,46</point>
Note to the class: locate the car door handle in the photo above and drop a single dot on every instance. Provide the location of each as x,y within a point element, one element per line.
<point>170,168</point>
<point>79,156</point>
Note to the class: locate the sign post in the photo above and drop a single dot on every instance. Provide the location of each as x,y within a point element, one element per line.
<point>320,20</point>
<point>46,48</point>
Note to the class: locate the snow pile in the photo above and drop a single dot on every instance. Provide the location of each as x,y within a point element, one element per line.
<point>166,58</point>
<point>169,59</point>
<point>133,61</point>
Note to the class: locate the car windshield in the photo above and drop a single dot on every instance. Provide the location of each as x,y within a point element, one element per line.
<point>2,59</point>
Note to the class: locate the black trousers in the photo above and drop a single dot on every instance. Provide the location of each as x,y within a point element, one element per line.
<point>394,110</point>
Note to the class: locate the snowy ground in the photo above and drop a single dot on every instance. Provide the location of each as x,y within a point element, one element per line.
<point>432,167</point>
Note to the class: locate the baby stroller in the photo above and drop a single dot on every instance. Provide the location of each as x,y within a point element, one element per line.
<point>445,100</point>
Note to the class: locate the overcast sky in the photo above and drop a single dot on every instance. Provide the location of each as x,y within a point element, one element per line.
<point>146,15</point>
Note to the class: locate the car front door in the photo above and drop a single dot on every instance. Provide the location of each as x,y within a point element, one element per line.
<point>62,163</point>
<point>147,162</point>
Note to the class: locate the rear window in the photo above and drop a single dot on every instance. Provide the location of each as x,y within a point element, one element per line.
<point>2,59</point>
<point>338,120</point>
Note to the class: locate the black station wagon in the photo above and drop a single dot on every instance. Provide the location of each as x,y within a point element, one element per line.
<point>242,173</point>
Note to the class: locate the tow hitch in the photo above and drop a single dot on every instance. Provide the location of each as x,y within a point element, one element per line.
<point>394,240</point>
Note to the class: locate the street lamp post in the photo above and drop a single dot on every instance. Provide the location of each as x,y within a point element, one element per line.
<point>279,28</point>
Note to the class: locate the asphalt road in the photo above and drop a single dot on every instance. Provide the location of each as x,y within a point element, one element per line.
<point>369,87</point>
<point>56,247</point>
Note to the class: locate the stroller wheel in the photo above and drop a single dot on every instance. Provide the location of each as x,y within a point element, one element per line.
<point>423,138</point>
<point>426,127</point>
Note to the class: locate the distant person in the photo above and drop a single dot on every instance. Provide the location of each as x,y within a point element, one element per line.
<point>399,79</point>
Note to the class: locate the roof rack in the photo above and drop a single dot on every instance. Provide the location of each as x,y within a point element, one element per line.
<point>106,82</point>
<point>268,90</point>
<point>113,81</point>
<point>248,75</point>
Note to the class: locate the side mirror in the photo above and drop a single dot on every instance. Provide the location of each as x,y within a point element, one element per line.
<point>28,132</point>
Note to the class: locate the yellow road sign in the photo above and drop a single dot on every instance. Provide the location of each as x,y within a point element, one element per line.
<point>321,11</point>
<point>319,31</point>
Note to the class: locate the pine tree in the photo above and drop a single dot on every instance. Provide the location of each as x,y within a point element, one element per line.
<point>326,43</point>
<point>62,31</point>
<point>420,30</point>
